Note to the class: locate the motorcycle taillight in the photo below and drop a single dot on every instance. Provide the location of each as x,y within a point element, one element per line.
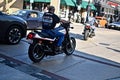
<point>30,36</point>
<point>87,27</point>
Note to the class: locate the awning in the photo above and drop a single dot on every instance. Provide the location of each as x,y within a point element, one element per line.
<point>40,0</point>
<point>68,2</point>
<point>84,5</point>
<point>73,3</point>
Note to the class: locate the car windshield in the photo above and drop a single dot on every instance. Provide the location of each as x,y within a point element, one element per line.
<point>20,13</point>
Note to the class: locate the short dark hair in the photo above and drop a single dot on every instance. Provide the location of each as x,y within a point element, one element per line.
<point>51,8</point>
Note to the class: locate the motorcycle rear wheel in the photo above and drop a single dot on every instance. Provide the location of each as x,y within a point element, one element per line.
<point>92,34</point>
<point>86,35</point>
<point>70,46</point>
<point>35,52</point>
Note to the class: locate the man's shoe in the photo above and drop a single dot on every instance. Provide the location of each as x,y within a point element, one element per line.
<point>93,34</point>
<point>83,33</point>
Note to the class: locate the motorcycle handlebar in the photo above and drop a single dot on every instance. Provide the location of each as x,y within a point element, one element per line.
<point>64,21</point>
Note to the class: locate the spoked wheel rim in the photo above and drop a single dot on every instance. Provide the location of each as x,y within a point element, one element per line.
<point>71,45</point>
<point>37,53</point>
<point>86,35</point>
<point>14,35</point>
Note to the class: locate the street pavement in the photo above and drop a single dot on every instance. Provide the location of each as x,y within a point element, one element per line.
<point>95,59</point>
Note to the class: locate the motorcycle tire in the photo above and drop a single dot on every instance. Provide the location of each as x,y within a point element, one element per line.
<point>35,52</point>
<point>86,35</point>
<point>92,34</point>
<point>70,46</point>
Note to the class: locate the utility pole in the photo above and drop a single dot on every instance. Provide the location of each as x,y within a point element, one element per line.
<point>78,2</point>
<point>31,2</point>
<point>88,9</point>
<point>56,4</point>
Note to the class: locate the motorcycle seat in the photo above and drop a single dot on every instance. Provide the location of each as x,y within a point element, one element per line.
<point>44,35</point>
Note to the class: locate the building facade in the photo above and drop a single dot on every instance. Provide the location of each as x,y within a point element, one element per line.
<point>63,7</point>
<point>10,6</point>
<point>107,7</point>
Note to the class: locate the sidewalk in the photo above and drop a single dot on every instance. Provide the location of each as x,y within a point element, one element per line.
<point>80,68</point>
<point>15,63</point>
<point>12,69</point>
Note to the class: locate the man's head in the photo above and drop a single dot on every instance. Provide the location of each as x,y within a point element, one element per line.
<point>91,13</point>
<point>51,9</point>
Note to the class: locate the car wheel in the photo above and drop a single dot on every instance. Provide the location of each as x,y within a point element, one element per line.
<point>14,35</point>
<point>106,25</point>
<point>117,28</point>
<point>109,27</point>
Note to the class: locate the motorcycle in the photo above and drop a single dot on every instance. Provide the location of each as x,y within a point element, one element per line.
<point>41,44</point>
<point>88,32</point>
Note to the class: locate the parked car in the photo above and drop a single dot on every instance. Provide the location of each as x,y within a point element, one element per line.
<point>114,25</point>
<point>12,28</point>
<point>33,18</point>
<point>102,21</point>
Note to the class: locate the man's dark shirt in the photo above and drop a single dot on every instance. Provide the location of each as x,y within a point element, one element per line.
<point>50,20</point>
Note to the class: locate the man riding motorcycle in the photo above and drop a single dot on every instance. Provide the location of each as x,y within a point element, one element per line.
<point>92,21</point>
<point>48,24</point>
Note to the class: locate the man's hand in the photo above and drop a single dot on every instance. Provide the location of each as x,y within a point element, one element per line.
<point>64,21</point>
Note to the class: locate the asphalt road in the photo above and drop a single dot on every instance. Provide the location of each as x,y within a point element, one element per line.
<point>98,54</point>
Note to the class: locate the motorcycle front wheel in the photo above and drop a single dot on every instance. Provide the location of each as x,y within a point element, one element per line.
<point>86,35</point>
<point>70,46</point>
<point>35,52</point>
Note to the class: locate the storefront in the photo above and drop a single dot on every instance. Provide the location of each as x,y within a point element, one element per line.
<point>70,5</point>
<point>109,8</point>
<point>37,4</point>
<point>65,6</point>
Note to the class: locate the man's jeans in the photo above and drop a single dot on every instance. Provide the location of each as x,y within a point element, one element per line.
<point>55,33</point>
<point>93,27</point>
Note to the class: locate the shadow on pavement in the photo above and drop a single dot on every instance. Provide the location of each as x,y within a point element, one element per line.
<point>105,44</point>
<point>22,48</point>
<point>77,36</point>
<point>113,49</point>
<point>97,59</point>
